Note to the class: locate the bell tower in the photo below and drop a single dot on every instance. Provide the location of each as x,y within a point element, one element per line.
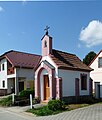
<point>46,43</point>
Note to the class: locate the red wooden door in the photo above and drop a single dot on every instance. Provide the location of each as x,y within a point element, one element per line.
<point>77,87</point>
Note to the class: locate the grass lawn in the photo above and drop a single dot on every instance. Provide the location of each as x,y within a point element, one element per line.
<point>45,111</point>
<point>76,106</point>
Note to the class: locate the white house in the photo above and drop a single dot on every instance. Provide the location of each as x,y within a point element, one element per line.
<point>96,74</point>
<point>60,74</point>
<point>17,71</point>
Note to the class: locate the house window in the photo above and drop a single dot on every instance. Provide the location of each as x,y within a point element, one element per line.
<point>3,67</point>
<point>45,44</point>
<point>83,82</point>
<point>100,62</point>
<point>3,83</point>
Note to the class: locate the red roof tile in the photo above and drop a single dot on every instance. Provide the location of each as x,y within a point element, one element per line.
<point>68,61</point>
<point>21,59</point>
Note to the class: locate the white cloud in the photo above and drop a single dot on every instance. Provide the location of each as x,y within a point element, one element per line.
<point>92,34</point>
<point>1,9</point>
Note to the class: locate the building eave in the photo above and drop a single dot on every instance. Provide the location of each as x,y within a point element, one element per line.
<point>75,69</point>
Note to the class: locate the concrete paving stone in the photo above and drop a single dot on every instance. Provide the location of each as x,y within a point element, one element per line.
<point>93,112</point>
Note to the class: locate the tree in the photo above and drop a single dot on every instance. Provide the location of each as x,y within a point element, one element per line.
<point>89,57</point>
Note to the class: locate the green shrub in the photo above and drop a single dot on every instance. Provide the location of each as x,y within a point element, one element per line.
<point>26,93</point>
<point>55,105</point>
<point>43,111</point>
<point>6,101</point>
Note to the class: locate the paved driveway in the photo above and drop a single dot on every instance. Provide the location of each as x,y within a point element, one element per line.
<point>93,112</point>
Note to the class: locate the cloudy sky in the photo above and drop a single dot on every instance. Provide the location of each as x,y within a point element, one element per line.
<point>76,27</point>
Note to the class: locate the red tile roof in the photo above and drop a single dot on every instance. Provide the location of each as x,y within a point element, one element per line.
<point>21,59</point>
<point>68,61</point>
<point>62,59</point>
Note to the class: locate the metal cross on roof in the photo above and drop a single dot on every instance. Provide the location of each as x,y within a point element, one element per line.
<point>46,29</point>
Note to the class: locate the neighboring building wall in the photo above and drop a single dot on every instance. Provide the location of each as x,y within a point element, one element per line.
<point>27,76</point>
<point>24,72</point>
<point>97,90</point>
<point>96,74</point>
<point>3,74</point>
<point>12,75</point>
<point>68,82</point>
<point>11,83</point>
<point>100,91</point>
<point>29,84</point>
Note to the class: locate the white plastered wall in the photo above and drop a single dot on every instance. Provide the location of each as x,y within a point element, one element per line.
<point>96,74</point>
<point>68,82</point>
<point>3,74</point>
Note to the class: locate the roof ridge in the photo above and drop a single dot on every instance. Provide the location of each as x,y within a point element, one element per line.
<point>64,52</point>
<point>19,52</point>
<point>6,52</point>
<point>25,53</point>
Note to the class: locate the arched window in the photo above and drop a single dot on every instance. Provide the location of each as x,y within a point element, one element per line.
<point>45,44</point>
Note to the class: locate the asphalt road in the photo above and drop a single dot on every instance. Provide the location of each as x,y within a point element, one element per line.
<point>10,115</point>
